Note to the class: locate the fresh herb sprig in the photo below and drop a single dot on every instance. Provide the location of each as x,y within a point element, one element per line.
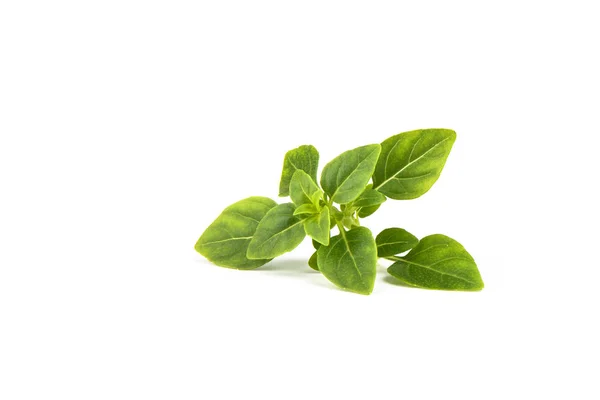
<point>253,231</point>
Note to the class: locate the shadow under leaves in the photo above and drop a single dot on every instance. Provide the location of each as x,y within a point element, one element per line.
<point>290,265</point>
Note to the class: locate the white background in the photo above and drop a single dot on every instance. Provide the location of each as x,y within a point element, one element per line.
<point>127,126</point>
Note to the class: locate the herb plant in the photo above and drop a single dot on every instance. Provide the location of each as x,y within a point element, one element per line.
<point>253,231</point>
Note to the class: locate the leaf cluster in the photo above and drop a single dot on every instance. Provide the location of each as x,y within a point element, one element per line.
<point>352,186</point>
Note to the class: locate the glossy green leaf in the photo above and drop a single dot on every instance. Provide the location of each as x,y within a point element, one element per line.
<point>347,175</point>
<point>350,260</point>
<point>277,233</point>
<point>312,262</point>
<point>394,241</point>
<point>306,209</point>
<point>369,198</point>
<point>364,212</point>
<point>438,262</point>
<point>303,189</point>
<point>411,162</point>
<point>305,158</point>
<point>226,240</point>
<point>317,226</point>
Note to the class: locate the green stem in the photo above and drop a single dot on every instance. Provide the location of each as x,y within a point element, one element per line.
<point>341,228</point>
<point>329,202</point>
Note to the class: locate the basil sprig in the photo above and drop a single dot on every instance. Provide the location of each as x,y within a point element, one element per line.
<point>253,231</point>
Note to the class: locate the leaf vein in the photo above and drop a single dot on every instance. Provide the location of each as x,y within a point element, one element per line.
<point>228,240</point>
<point>242,215</point>
<point>365,159</point>
<point>409,164</point>
<point>435,270</point>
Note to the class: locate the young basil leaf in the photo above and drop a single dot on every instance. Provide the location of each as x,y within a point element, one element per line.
<point>350,260</point>
<point>350,222</point>
<point>394,241</point>
<point>317,226</point>
<point>438,262</point>
<point>226,240</point>
<point>316,199</point>
<point>411,162</point>
<point>278,232</point>
<point>306,209</point>
<point>305,158</point>
<point>312,262</point>
<point>369,198</point>
<point>347,175</point>
<point>303,189</point>
<point>336,215</point>
<point>364,212</point>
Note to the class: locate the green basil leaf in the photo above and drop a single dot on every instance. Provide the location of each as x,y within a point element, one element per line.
<point>316,244</point>
<point>226,240</point>
<point>369,198</point>
<point>303,188</point>
<point>305,158</point>
<point>394,241</point>
<point>317,226</point>
<point>350,260</point>
<point>277,233</point>
<point>312,262</point>
<point>364,212</point>
<point>306,209</point>
<point>438,262</point>
<point>347,175</point>
<point>411,162</point>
